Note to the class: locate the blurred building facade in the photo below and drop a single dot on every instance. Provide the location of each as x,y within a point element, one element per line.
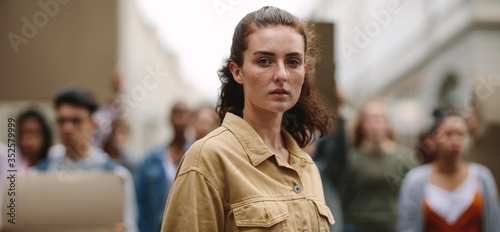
<point>420,55</point>
<point>50,44</point>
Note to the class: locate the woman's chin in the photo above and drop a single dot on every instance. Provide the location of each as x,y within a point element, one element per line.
<point>276,109</point>
<point>453,155</point>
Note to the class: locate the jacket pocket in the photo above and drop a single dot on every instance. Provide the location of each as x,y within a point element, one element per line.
<point>326,217</point>
<point>261,215</point>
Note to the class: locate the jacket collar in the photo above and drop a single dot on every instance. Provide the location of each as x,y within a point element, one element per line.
<point>253,144</point>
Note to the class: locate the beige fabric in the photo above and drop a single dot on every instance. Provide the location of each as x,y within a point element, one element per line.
<point>231,181</point>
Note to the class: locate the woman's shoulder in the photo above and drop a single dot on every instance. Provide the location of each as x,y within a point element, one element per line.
<point>483,171</point>
<point>210,149</point>
<point>419,173</point>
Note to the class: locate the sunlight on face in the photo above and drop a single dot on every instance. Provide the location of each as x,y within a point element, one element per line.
<point>273,69</point>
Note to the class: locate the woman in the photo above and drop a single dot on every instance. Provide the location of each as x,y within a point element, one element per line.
<point>449,194</point>
<point>374,169</point>
<point>251,174</point>
<point>34,139</point>
<point>115,144</point>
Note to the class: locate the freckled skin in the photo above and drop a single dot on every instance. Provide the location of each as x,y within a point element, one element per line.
<point>274,59</point>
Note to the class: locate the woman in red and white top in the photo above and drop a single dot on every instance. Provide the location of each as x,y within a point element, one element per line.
<point>449,194</point>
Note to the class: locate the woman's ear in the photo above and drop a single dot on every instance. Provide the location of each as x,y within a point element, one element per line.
<point>236,71</point>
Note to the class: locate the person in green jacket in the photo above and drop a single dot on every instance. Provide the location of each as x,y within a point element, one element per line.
<point>373,173</point>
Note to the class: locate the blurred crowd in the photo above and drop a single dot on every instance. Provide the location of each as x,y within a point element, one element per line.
<point>371,182</point>
<point>95,137</point>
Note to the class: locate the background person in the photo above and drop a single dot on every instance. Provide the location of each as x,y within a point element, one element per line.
<point>108,112</point>
<point>205,121</point>
<point>155,176</point>
<point>331,156</point>
<point>374,169</point>
<point>74,109</point>
<point>115,144</point>
<point>449,194</point>
<point>34,139</point>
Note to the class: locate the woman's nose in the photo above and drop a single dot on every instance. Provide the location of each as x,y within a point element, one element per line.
<point>280,74</point>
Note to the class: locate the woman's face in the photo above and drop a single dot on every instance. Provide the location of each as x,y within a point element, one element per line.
<point>450,137</point>
<point>374,123</point>
<point>31,141</point>
<point>273,69</point>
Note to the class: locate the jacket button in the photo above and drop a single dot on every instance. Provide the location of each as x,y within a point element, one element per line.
<point>294,161</point>
<point>297,189</point>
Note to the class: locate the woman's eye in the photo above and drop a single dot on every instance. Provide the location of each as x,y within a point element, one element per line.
<point>263,61</point>
<point>294,62</point>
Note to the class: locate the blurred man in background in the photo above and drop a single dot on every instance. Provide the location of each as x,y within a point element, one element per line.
<point>74,108</point>
<point>155,176</point>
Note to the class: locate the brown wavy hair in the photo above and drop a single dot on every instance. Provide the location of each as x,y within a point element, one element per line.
<point>308,117</point>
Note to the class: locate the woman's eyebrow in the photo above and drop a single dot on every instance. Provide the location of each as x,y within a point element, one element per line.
<point>273,54</point>
<point>294,54</point>
<point>264,53</point>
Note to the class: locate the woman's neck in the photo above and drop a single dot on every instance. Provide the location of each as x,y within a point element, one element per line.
<point>176,149</point>
<point>268,126</point>
<point>448,166</point>
<point>383,146</point>
<point>30,159</point>
<point>80,152</point>
<point>178,140</point>
<point>114,153</point>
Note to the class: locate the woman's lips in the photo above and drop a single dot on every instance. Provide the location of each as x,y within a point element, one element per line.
<point>279,91</point>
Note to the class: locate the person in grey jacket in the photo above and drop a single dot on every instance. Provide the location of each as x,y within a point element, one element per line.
<point>449,194</point>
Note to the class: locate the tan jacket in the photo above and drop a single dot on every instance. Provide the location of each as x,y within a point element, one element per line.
<point>231,181</point>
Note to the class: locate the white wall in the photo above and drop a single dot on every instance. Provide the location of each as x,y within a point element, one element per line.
<point>153,82</point>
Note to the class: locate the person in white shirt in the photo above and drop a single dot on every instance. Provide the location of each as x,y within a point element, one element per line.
<point>74,108</point>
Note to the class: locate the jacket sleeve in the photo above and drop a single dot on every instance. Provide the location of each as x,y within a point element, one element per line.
<point>491,212</point>
<point>409,207</point>
<point>194,204</point>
